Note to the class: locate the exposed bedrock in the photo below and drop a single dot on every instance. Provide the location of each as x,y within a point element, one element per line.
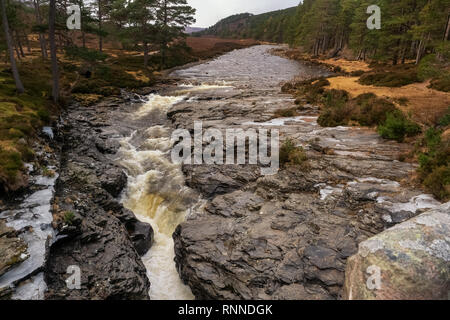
<point>94,231</point>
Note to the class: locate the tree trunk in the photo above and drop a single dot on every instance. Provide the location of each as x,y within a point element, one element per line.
<point>9,44</point>
<point>27,42</point>
<point>100,17</point>
<point>19,43</point>
<point>16,48</point>
<point>51,36</point>
<point>447,29</point>
<point>42,40</point>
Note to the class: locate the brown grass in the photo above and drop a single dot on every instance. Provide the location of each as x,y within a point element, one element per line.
<point>206,43</point>
<point>347,65</point>
<point>426,105</point>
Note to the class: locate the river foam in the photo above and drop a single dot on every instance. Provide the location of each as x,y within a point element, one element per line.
<point>155,193</point>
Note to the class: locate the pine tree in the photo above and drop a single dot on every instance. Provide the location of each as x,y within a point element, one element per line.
<point>172,16</point>
<point>54,59</point>
<point>141,13</point>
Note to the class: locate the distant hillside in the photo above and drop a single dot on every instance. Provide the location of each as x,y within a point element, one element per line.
<point>190,30</point>
<point>271,26</point>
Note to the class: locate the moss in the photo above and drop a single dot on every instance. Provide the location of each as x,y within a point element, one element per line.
<point>10,164</point>
<point>21,115</point>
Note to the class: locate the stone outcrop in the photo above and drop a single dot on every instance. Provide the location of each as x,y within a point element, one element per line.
<point>94,231</point>
<point>411,259</point>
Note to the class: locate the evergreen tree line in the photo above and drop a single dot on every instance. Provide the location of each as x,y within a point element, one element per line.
<point>409,28</point>
<point>272,26</point>
<point>139,24</point>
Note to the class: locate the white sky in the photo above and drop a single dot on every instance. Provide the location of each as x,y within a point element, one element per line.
<point>211,11</point>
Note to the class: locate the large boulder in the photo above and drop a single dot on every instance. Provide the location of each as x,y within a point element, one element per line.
<point>408,261</point>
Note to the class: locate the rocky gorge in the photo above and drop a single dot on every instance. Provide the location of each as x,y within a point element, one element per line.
<point>139,226</point>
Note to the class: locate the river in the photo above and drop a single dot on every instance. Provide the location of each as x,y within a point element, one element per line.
<point>241,89</point>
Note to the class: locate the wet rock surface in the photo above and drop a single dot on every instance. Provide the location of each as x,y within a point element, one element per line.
<point>289,235</point>
<point>94,231</point>
<point>25,223</point>
<point>11,248</point>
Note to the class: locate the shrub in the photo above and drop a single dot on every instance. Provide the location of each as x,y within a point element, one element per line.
<point>74,52</point>
<point>371,110</point>
<point>431,68</point>
<point>391,76</point>
<point>397,126</point>
<point>438,182</point>
<point>69,218</point>
<point>285,113</point>
<point>366,109</point>
<point>434,169</point>
<point>445,120</point>
<point>312,90</point>
<point>291,154</point>
<point>442,83</point>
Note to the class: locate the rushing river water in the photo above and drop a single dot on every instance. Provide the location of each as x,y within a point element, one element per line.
<point>248,82</point>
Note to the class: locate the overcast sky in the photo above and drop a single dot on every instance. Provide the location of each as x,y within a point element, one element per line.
<point>211,11</point>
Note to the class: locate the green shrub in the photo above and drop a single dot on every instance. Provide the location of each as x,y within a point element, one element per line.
<point>438,182</point>
<point>69,218</point>
<point>428,68</point>
<point>431,68</point>
<point>445,120</point>
<point>391,76</point>
<point>371,110</point>
<point>434,164</point>
<point>397,126</point>
<point>366,109</point>
<point>442,83</point>
<point>291,154</point>
<point>80,53</point>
